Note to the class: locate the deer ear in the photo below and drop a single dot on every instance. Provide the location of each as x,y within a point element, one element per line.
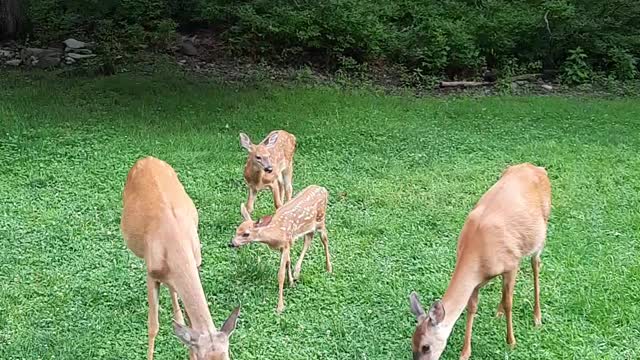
<point>436,313</point>
<point>231,322</point>
<point>271,140</point>
<point>185,335</point>
<point>245,141</point>
<point>416,307</point>
<point>245,213</point>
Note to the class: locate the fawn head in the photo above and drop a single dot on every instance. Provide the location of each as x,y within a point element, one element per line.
<point>208,346</point>
<point>259,154</point>
<point>247,232</point>
<point>430,337</point>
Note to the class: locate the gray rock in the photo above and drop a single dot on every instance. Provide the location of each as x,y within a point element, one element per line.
<point>41,58</point>
<point>188,48</point>
<point>6,53</point>
<point>547,87</point>
<point>80,56</point>
<point>75,44</point>
<point>78,51</point>
<point>69,60</point>
<point>14,62</point>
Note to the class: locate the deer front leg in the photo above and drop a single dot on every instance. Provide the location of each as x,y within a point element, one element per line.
<point>177,312</point>
<point>281,276</point>
<point>277,199</point>
<point>153,326</point>
<point>289,269</point>
<point>307,242</point>
<point>472,308</point>
<point>288,184</point>
<point>252,199</point>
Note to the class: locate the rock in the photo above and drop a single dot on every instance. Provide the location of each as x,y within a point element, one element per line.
<point>188,48</point>
<point>41,58</point>
<point>80,56</point>
<point>78,51</point>
<point>6,53</point>
<point>14,62</point>
<point>515,86</point>
<point>69,60</point>
<point>75,44</point>
<point>547,87</point>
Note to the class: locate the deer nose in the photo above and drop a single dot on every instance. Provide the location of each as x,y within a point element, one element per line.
<point>268,169</point>
<point>231,244</point>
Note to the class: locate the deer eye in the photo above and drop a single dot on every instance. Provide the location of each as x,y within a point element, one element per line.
<point>258,157</point>
<point>245,235</point>
<point>425,349</point>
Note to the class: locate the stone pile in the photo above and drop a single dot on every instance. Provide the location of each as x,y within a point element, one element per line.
<point>44,58</point>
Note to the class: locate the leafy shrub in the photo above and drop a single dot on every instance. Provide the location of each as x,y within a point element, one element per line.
<point>576,71</point>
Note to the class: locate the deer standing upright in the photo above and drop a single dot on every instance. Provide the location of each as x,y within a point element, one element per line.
<point>270,165</point>
<point>160,225</point>
<point>508,223</point>
<point>304,215</point>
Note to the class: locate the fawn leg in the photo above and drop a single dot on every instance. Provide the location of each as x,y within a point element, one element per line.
<point>281,276</point>
<point>307,242</point>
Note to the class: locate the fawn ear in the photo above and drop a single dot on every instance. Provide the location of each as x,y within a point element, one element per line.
<point>245,141</point>
<point>186,335</point>
<point>416,307</point>
<point>245,213</point>
<point>231,322</point>
<point>271,140</point>
<point>436,313</point>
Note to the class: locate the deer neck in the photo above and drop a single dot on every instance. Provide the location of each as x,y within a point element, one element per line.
<point>187,284</point>
<point>455,299</point>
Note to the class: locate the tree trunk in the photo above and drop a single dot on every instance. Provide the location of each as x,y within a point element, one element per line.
<point>10,18</point>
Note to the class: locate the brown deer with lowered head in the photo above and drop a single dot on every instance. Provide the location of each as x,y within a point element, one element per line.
<point>303,215</point>
<point>160,225</point>
<point>508,223</point>
<point>270,165</point>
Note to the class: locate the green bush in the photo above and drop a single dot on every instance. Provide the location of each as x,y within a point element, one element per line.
<point>452,37</point>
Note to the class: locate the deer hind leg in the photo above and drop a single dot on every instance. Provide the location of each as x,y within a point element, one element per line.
<point>153,288</point>
<point>325,243</point>
<point>508,285</point>
<point>289,269</point>
<point>537,313</point>
<point>472,309</point>
<point>307,242</point>
<point>277,198</point>
<point>281,276</point>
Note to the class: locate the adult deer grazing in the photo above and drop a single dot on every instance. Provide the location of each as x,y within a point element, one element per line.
<point>160,225</point>
<point>270,165</point>
<point>508,223</point>
<point>304,215</point>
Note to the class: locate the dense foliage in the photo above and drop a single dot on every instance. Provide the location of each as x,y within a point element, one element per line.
<point>456,37</point>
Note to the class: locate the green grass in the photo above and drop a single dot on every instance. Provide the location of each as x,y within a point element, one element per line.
<point>402,175</point>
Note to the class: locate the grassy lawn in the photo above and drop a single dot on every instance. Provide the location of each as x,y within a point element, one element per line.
<point>402,173</point>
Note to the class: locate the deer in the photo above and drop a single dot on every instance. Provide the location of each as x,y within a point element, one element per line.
<point>269,166</point>
<point>509,222</point>
<point>304,215</point>
<point>160,225</point>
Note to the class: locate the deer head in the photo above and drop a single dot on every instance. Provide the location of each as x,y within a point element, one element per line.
<point>259,154</point>
<point>208,345</point>
<point>249,231</point>
<point>430,337</point>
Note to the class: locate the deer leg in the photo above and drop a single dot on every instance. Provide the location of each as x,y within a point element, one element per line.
<point>537,313</point>
<point>472,308</point>
<point>508,284</point>
<point>152,292</point>
<point>277,199</point>
<point>288,183</point>
<point>325,244</point>
<point>252,199</point>
<point>175,305</point>
<point>281,276</point>
<point>289,269</point>
<point>307,242</point>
